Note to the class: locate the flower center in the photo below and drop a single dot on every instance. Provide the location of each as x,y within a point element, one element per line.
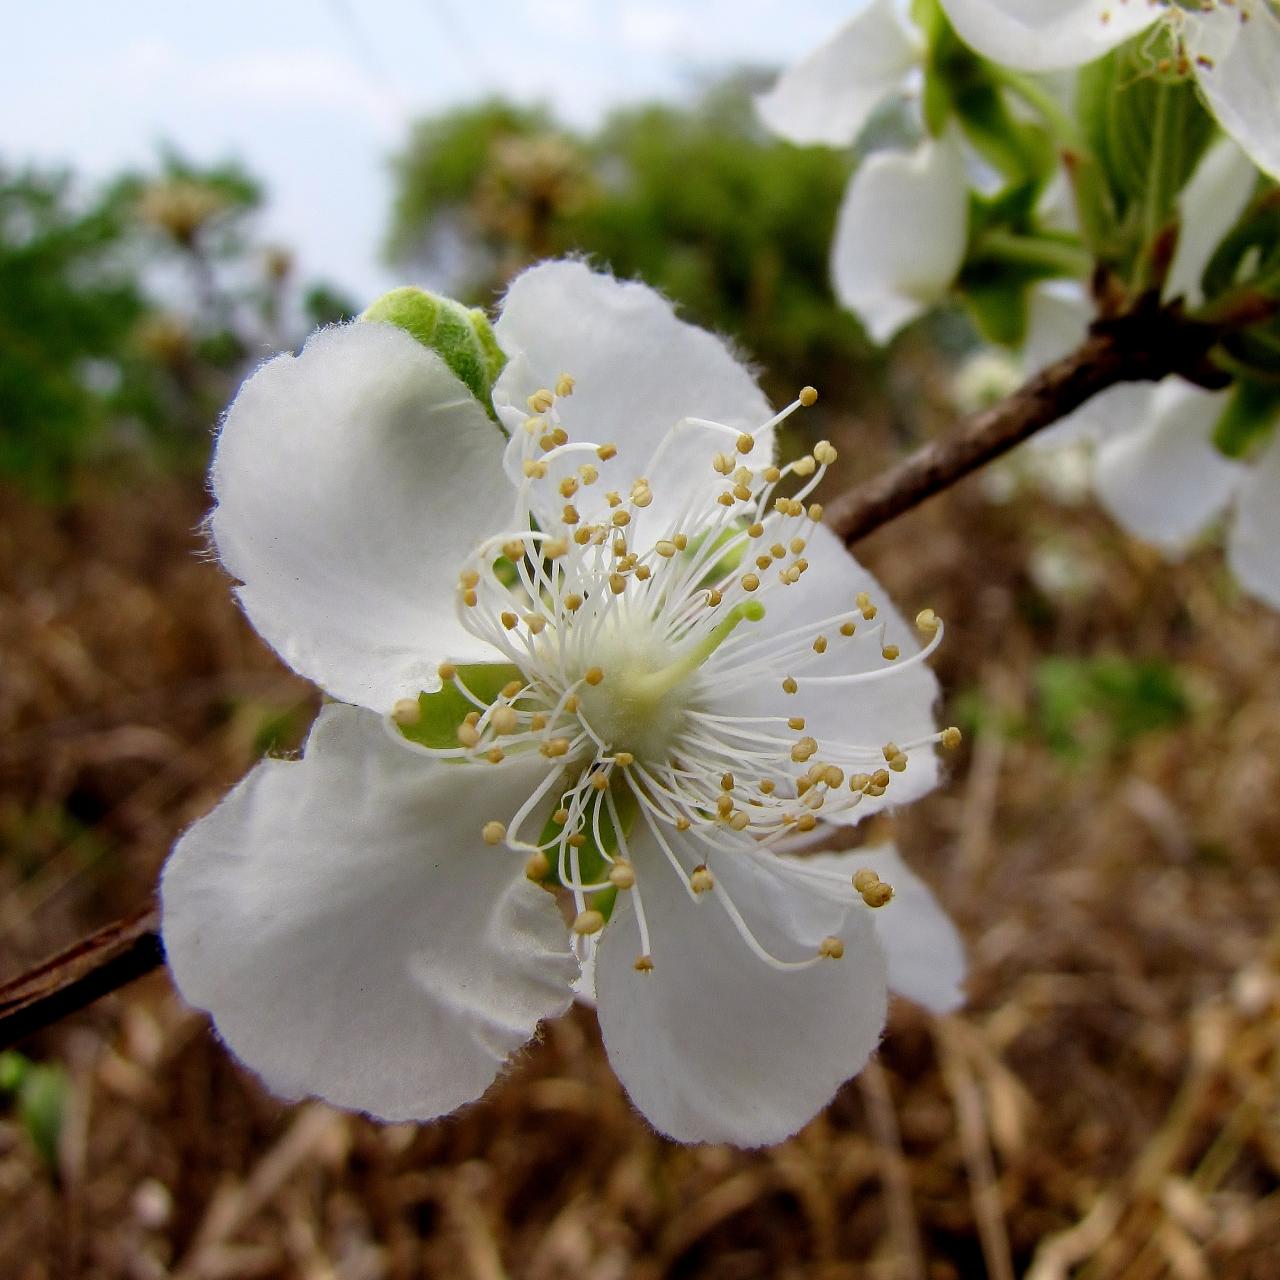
<point>628,634</point>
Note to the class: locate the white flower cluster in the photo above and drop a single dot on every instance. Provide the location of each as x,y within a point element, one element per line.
<point>659,676</point>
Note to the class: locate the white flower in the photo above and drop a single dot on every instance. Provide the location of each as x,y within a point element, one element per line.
<point>903,223</point>
<point>1155,467</point>
<point>671,673</point>
<point>1231,47</point>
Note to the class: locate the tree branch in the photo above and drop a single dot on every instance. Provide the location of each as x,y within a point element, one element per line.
<point>1144,344</point>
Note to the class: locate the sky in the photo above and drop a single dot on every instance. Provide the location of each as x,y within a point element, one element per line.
<point>313,96</point>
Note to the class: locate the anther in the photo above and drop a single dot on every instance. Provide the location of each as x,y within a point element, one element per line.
<point>572,702</point>
<point>772,475</point>
<point>745,443</point>
<point>570,514</point>
<point>600,781</point>
<point>806,822</point>
<point>864,878</point>
<point>805,466</point>
<point>789,685</point>
<point>834,776</point>
<point>701,881</point>
<point>504,720</point>
<point>535,426</point>
<point>725,499</point>
<point>831,948</point>
<point>665,548</point>
<point>750,582</point>
<point>535,622</point>
<point>848,628</point>
<point>682,823</point>
<point>564,385</point>
<point>880,778</point>
<point>804,750</point>
<point>593,675</point>
<point>859,782</point>
<point>808,396</point>
<point>726,782</point>
<point>546,441</point>
<point>890,652</point>
<point>621,518</point>
<point>722,464</point>
<point>555,747</point>
<point>724,805</point>
<point>681,540</point>
<point>623,758</point>
<point>560,817</point>
<point>511,688</point>
<point>607,451</point>
<point>588,473</point>
<point>495,755</point>
<point>825,452</point>
<point>540,401</point>
<point>582,536</point>
<point>815,511</point>
<point>617,583</point>
<point>714,596</point>
<point>406,712</point>
<point>554,548</point>
<point>742,493</point>
<point>513,550</point>
<point>951,738</point>
<point>576,841</point>
<point>537,722</point>
<point>927,621</point>
<point>643,964</point>
<point>899,763</point>
<point>820,644</point>
<point>739,821</point>
<point>560,436</point>
<point>613,498</point>
<point>878,894</point>
<point>493,833</point>
<point>538,867</point>
<point>587,922</point>
<point>643,573</point>
<point>468,735</point>
<point>777,551</point>
<point>767,786</point>
<point>622,875</point>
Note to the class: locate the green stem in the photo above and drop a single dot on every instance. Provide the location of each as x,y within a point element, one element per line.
<point>1040,100</point>
<point>1060,256</point>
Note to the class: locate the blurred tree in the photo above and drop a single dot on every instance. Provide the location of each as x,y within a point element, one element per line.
<point>699,202</point>
<point>126,315</point>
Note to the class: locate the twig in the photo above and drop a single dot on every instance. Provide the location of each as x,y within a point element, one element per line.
<point>76,977</point>
<point>1144,344</point>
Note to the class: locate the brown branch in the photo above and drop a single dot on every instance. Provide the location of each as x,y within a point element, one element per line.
<point>76,977</point>
<point>1145,344</point>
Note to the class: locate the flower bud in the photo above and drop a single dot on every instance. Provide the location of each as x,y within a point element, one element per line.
<point>460,335</point>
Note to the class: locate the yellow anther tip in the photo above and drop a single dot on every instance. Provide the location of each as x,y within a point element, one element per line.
<point>644,964</point>
<point>406,712</point>
<point>587,922</point>
<point>538,867</point>
<point>745,443</point>
<point>494,833</point>
<point>831,948</point>
<point>808,396</point>
<point>951,738</point>
<point>622,875</point>
<point>593,675</point>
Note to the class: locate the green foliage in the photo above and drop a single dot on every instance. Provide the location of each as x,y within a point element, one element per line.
<point>39,1091</point>
<point>1096,706</point>
<point>67,307</point>
<point>1146,130</point>
<point>699,203</point>
<point>92,360</point>
<point>1250,418</point>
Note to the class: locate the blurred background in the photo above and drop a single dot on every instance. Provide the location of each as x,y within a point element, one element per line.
<point>185,192</point>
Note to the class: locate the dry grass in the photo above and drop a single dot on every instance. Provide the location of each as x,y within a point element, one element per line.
<point>1106,1106</point>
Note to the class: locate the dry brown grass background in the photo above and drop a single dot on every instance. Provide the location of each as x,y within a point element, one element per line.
<point>1106,1105</point>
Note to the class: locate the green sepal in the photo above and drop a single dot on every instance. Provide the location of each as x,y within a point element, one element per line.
<point>1251,417</point>
<point>1147,129</point>
<point>593,866</point>
<point>1249,255</point>
<point>461,336</point>
<point>443,711</point>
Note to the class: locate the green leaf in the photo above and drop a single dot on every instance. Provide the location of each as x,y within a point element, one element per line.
<point>460,335</point>
<point>443,711</point>
<point>1147,130</point>
<point>1251,416</point>
<point>42,1099</point>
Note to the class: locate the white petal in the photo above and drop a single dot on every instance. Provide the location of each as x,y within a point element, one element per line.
<point>827,97</point>
<point>715,1046</point>
<point>1211,202</point>
<point>1237,66</point>
<point>924,951</point>
<point>351,481</point>
<point>1046,35</point>
<point>350,932</point>
<point>638,370</point>
<point>1165,480</point>
<point>1058,320</point>
<point>1254,547</point>
<point>900,235</point>
<point>897,707</point>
